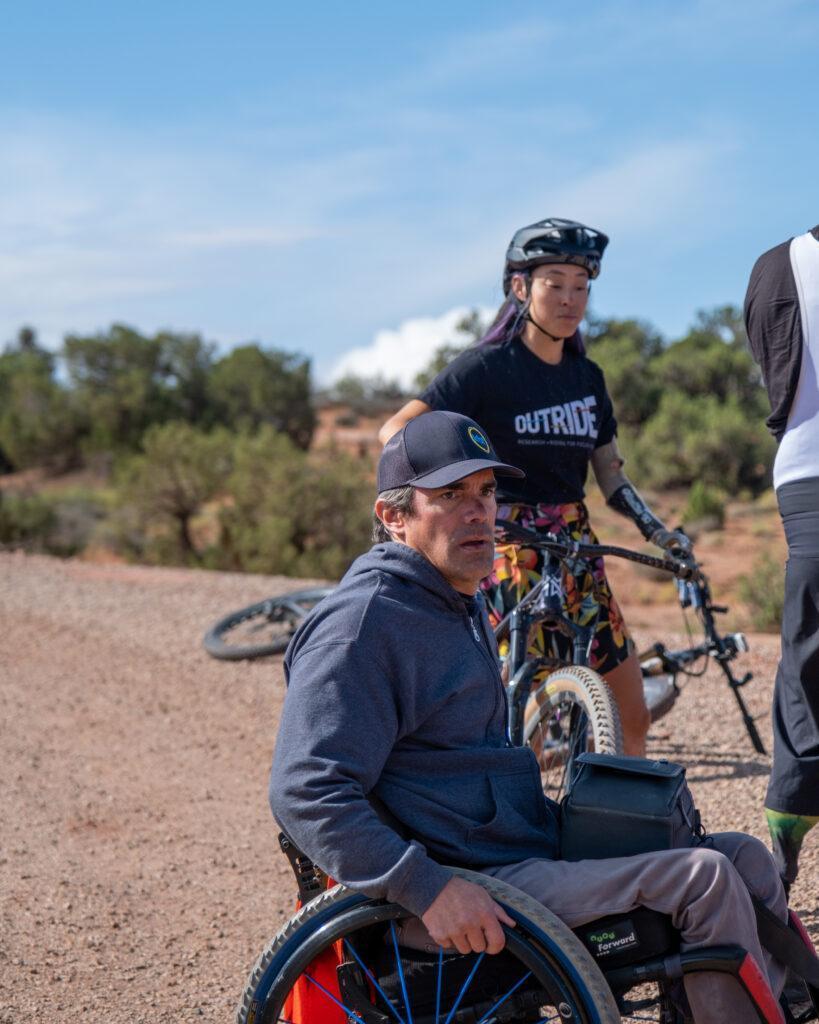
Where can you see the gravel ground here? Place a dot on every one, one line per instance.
(139, 873)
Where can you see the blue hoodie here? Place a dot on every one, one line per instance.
(394, 692)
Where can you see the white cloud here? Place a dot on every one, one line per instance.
(400, 353)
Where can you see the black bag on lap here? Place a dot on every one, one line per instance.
(619, 806)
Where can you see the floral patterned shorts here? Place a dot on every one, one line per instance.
(585, 587)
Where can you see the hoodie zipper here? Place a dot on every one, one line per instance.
(500, 689)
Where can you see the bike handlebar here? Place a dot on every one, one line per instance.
(575, 549)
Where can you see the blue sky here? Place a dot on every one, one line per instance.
(343, 178)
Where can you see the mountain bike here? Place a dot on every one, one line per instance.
(662, 667)
(561, 708)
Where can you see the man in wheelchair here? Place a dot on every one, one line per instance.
(392, 758)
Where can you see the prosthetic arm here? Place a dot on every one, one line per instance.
(620, 494)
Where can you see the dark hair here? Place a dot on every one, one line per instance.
(510, 318)
(402, 499)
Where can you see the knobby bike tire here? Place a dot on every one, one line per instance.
(571, 712)
(561, 954)
(275, 619)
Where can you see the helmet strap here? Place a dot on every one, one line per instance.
(552, 337)
(526, 305)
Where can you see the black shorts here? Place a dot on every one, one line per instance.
(794, 782)
(586, 594)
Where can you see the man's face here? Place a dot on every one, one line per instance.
(453, 527)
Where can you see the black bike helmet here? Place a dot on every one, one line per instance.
(554, 240)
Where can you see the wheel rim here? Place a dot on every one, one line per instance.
(272, 624)
(557, 737)
(533, 983)
(263, 628)
(573, 711)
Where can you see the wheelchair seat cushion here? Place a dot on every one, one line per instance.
(622, 939)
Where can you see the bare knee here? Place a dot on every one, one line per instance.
(626, 683)
(635, 729)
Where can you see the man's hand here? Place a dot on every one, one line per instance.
(465, 916)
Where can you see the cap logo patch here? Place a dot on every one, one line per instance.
(478, 439)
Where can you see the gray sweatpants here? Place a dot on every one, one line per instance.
(705, 890)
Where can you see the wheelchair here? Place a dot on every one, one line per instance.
(343, 959)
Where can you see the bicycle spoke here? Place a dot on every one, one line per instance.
(567, 760)
(351, 1014)
(502, 1000)
(465, 986)
(438, 984)
(374, 981)
(401, 977)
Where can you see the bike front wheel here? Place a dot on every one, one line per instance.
(572, 712)
(263, 628)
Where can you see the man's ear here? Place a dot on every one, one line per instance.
(391, 517)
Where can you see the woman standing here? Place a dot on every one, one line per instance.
(529, 383)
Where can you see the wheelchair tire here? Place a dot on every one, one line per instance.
(263, 628)
(571, 712)
(553, 957)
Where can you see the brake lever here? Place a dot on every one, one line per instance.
(520, 535)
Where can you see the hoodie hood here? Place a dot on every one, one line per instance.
(402, 562)
(395, 694)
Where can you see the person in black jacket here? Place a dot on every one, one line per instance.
(782, 321)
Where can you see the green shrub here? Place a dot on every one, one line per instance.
(25, 521)
(292, 513)
(704, 503)
(77, 517)
(160, 491)
(763, 591)
(703, 438)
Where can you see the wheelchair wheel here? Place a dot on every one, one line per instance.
(263, 628)
(544, 973)
(572, 712)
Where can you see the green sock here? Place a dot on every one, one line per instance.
(787, 832)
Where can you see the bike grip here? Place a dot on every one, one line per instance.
(520, 534)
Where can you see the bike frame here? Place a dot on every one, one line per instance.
(544, 604)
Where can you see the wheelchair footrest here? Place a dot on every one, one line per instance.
(724, 959)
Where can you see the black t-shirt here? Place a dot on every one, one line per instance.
(544, 419)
